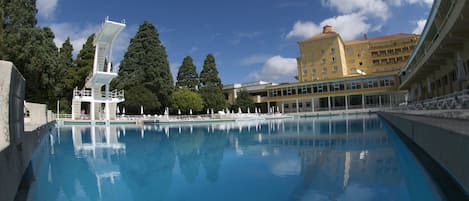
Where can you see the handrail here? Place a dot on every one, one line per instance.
(115, 94)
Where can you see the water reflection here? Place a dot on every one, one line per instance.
(333, 158)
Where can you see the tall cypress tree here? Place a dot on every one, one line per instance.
(209, 74)
(187, 75)
(211, 86)
(84, 62)
(146, 65)
(67, 74)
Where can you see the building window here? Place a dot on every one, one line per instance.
(350, 51)
(323, 61)
(319, 88)
(303, 89)
(354, 85)
(305, 72)
(293, 105)
(274, 93)
(335, 68)
(358, 55)
(324, 70)
(333, 59)
(300, 105)
(351, 61)
(322, 51)
(332, 50)
(312, 62)
(313, 71)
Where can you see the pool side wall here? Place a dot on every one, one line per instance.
(448, 147)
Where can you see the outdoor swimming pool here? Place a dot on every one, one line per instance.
(355, 157)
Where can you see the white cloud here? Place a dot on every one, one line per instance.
(46, 8)
(304, 29)
(377, 8)
(401, 2)
(349, 26)
(420, 25)
(276, 69)
(79, 34)
(255, 59)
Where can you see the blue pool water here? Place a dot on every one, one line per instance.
(325, 158)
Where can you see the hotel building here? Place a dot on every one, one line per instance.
(339, 75)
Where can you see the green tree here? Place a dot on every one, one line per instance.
(209, 74)
(67, 74)
(83, 64)
(137, 96)
(210, 85)
(40, 66)
(185, 100)
(2, 45)
(244, 101)
(187, 75)
(146, 64)
(19, 17)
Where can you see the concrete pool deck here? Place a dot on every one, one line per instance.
(442, 142)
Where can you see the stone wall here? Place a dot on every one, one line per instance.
(12, 88)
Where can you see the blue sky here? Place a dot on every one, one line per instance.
(251, 40)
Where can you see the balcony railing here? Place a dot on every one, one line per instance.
(115, 94)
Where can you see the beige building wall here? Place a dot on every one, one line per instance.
(326, 56)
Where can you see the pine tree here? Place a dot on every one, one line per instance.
(84, 63)
(146, 64)
(211, 86)
(187, 75)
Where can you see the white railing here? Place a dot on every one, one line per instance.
(115, 94)
(456, 100)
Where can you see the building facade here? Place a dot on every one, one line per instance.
(326, 56)
(337, 75)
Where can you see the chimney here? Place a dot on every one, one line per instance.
(365, 36)
(327, 29)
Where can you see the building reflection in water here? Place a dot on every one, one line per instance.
(335, 158)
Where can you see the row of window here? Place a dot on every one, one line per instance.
(333, 86)
(324, 70)
(390, 60)
(391, 51)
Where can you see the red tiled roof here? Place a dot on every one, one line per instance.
(379, 38)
